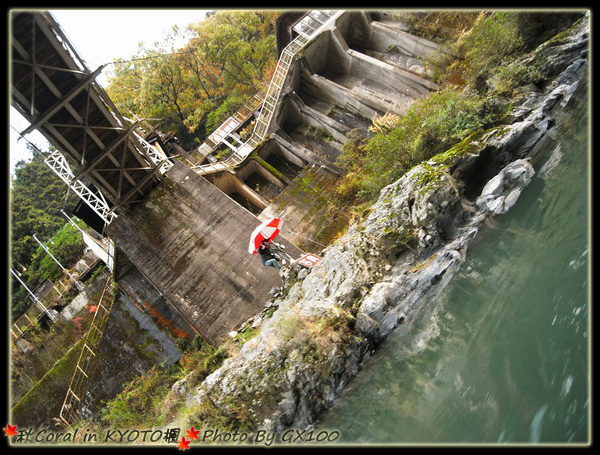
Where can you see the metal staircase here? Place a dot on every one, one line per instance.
(308, 28)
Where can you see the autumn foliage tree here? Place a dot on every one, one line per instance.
(228, 58)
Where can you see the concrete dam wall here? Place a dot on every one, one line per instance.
(190, 240)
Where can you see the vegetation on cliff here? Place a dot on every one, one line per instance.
(480, 68)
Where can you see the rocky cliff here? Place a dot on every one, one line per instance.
(331, 318)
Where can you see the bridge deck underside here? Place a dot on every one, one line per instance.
(53, 89)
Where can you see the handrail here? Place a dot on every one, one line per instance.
(273, 95)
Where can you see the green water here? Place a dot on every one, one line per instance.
(503, 355)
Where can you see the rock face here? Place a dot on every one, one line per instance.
(502, 191)
(331, 318)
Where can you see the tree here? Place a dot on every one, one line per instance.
(231, 54)
(37, 196)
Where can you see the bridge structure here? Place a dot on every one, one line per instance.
(105, 159)
(98, 153)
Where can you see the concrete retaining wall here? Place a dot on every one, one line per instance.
(191, 241)
(189, 237)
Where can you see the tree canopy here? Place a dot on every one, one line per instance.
(228, 58)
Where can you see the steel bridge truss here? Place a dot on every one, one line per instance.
(54, 90)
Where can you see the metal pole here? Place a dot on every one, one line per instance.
(79, 286)
(37, 301)
(70, 220)
(50, 254)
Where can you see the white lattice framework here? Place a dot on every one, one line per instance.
(59, 164)
(111, 156)
(155, 155)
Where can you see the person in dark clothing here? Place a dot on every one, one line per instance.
(268, 259)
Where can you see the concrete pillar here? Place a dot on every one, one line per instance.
(318, 119)
(338, 59)
(306, 115)
(252, 196)
(230, 182)
(254, 167)
(191, 241)
(287, 155)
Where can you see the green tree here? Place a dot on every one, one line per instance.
(37, 196)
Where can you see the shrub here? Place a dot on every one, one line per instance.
(384, 123)
(492, 46)
(431, 126)
(494, 38)
(139, 404)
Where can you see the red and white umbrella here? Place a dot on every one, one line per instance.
(265, 231)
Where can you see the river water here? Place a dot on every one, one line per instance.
(503, 356)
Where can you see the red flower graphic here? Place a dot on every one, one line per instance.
(183, 444)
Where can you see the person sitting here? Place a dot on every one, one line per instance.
(267, 256)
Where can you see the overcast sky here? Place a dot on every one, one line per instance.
(100, 36)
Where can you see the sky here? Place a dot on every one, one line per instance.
(100, 36)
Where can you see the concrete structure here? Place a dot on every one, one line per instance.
(190, 240)
(187, 239)
(361, 65)
(132, 344)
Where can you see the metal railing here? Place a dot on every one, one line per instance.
(96, 201)
(308, 29)
(59, 164)
(154, 155)
(70, 411)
